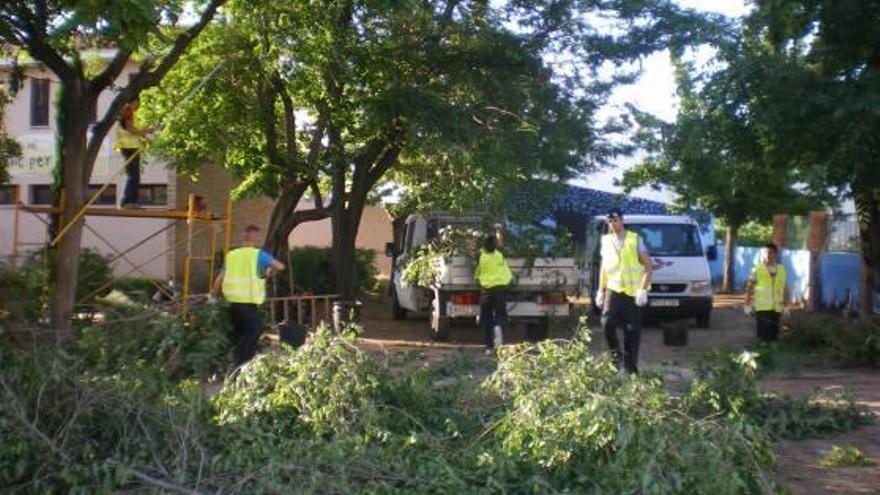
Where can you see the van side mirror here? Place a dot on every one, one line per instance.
(712, 252)
(390, 250)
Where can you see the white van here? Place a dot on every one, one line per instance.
(682, 285)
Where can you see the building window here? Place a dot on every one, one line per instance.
(41, 194)
(153, 194)
(7, 194)
(39, 102)
(107, 197)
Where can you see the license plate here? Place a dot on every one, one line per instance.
(458, 310)
(664, 303)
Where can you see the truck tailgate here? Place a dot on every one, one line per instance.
(551, 273)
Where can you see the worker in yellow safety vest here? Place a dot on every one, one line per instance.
(130, 141)
(243, 284)
(624, 281)
(767, 294)
(493, 275)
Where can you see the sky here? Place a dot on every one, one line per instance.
(654, 92)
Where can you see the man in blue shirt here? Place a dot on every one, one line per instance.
(243, 284)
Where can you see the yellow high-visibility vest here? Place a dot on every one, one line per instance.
(623, 271)
(126, 140)
(492, 270)
(769, 289)
(241, 282)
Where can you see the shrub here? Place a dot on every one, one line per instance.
(840, 341)
(25, 290)
(312, 270)
(19, 299)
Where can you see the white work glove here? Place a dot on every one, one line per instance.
(212, 299)
(747, 309)
(599, 300)
(641, 297)
(786, 312)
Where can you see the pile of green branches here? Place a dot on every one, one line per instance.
(329, 417)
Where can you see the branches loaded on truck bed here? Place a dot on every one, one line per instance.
(431, 275)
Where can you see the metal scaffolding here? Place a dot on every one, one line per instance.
(195, 215)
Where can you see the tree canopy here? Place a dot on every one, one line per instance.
(456, 98)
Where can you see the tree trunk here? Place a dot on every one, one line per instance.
(280, 225)
(344, 237)
(64, 267)
(868, 213)
(729, 251)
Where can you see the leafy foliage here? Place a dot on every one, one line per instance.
(312, 270)
(551, 417)
(24, 290)
(529, 241)
(727, 385)
(197, 346)
(834, 339)
(9, 147)
(847, 456)
(751, 234)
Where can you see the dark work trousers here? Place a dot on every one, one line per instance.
(246, 330)
(132, 176)
(621, 310)
(767, 323)
(493, 311)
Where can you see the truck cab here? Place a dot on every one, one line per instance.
(682, 285)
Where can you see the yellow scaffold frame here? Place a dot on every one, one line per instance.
(192, 215)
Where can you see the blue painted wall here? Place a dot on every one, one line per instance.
(839, 276)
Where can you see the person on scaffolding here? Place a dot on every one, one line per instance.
(130, 141)
(243, 284)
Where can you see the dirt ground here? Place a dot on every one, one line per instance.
(799, 470)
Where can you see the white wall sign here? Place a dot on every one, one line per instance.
(38, 156)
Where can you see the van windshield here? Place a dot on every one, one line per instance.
(669, 239)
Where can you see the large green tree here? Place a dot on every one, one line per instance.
(714, 156)
(348, 91)
(55, 32)
(817, 95)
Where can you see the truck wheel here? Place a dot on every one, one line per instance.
(397, 310)
(439, 321)
(539, 330)
(703, 319)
